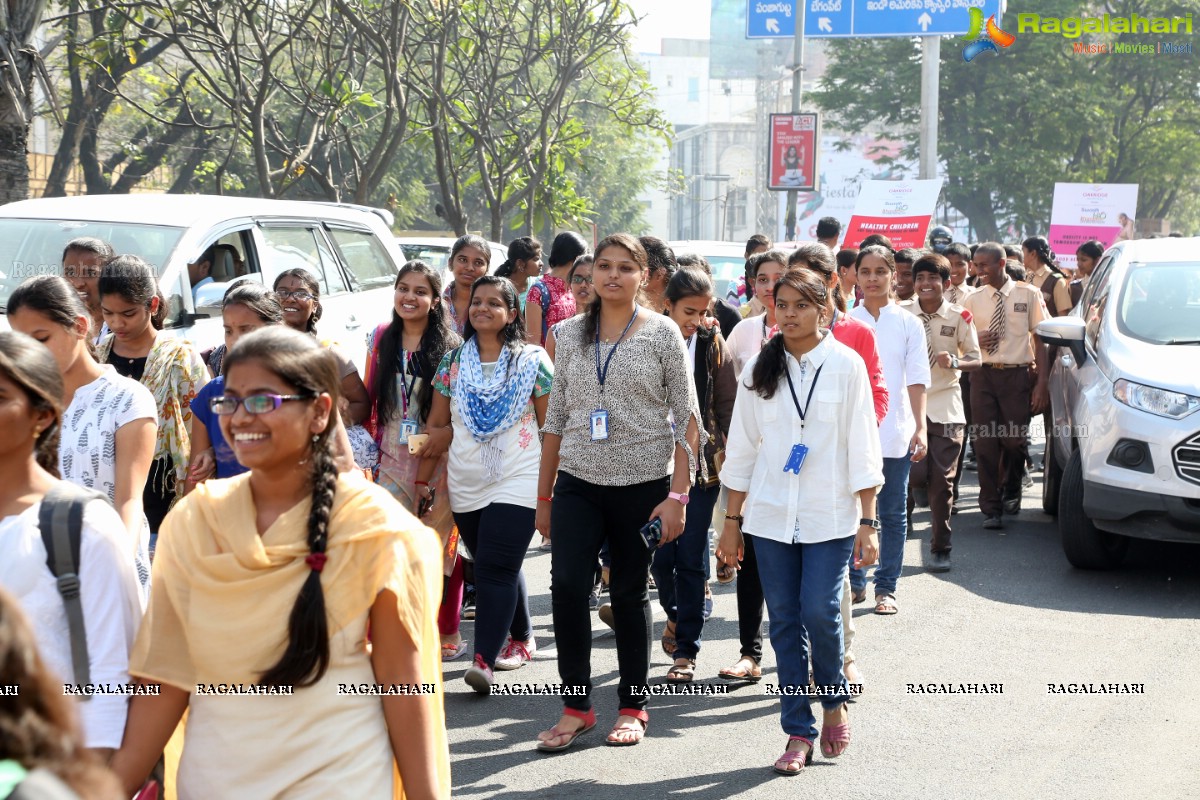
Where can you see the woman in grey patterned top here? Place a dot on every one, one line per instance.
(611, 462)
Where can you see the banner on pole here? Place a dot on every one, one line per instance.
(1085, 211)
(900, 210)
(793, 154)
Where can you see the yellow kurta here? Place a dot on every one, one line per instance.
(220, 601)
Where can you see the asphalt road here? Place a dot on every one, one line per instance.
(1012, 611)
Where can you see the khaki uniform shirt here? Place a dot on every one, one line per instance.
(952, 332)
(1061, 292)
(1023, 310)
(957, 294)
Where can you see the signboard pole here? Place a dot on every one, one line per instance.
(797, 87)
(931, 54)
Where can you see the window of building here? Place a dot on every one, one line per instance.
(693, 90)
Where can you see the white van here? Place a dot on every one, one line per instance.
(349, 249)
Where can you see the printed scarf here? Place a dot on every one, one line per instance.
(490, 407)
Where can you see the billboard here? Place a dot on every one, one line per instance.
(1084, 211)
(792, 157)
(900, 210)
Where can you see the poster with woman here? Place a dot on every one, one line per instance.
(793, 155)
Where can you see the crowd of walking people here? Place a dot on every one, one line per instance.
(262, 518)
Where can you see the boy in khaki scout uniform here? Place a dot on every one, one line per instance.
(953, 348)
(1003, 392)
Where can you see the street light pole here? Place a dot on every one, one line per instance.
(797, 87)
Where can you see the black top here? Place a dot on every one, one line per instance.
(727, 316)
(129, 367)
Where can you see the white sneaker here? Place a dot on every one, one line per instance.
(516, 654)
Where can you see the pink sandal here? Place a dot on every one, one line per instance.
(589, 722)
(784, 762)
(637, 714)
(832, 735)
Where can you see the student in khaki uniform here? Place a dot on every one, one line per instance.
(1042, 272)
(1003, 392)
(953, 348)
(959, 256)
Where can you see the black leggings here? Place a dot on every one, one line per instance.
(501, 603)
(582, 517)
(750, 602)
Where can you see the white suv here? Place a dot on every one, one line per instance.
(1124, 455)
(349, 249)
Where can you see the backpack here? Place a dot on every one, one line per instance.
(544, 293)
(60, 521)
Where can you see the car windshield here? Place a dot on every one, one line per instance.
(30, 247)
(1160, 303)
(727, 272)
(436, 256)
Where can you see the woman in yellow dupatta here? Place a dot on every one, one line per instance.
(270, 586)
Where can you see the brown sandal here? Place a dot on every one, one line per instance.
(683, 671)
(726, 574)
(737, 672)
(668, 639)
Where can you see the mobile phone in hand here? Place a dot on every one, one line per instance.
(652, 533)
(426, 503)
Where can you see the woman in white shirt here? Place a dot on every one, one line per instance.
(30, 410)
(804, 436)
(749, 335)
(109, 425)
(493, 391)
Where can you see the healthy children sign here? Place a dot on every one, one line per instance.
(1074, 27)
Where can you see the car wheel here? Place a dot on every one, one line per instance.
(1051, 481)
(1086, 546)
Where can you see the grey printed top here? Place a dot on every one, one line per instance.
(648, 383)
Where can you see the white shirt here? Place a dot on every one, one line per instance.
(87, 452)
(843, 458)
(901, 340)
(747, 338)
(112, 607)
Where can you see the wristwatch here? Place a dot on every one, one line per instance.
(870, 523)
(953, 362)
(682, 498)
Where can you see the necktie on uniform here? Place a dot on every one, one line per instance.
(953, 293)
(925, 318)
(997, 323)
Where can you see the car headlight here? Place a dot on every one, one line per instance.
(1161, 402)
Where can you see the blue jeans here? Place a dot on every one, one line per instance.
(803, 587)
(892, 507)
(678, 571)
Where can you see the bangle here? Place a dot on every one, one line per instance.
(735, 517)
(545, 499)
(420, 483)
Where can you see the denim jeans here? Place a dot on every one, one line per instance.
(892, 506)
(803, 587)
(499, 536)
(678, 571)
(583, 516)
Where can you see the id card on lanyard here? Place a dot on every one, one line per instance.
(600, 415)
(408, 426)
(799, 451)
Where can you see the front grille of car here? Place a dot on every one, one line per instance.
(1187, 459)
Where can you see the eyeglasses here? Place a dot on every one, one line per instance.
(580, 279)
(295, 296)
(254, 404)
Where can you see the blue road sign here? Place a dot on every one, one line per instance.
(831, 19)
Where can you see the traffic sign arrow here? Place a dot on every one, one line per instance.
(925, 21)
(824, 24)
(772, 25)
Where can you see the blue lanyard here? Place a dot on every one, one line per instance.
(602, 374)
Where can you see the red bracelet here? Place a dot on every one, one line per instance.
(420, 483)
(545, 499)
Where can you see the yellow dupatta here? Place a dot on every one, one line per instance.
(221, 595)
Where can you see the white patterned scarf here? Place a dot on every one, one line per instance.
(490, 407)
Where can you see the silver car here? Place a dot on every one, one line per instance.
(1124, 456)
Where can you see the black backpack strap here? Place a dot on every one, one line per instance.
(60, 521)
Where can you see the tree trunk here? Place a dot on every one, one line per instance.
(14, 157)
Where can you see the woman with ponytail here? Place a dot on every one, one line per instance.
(493, 391)
(549, 300)
(30, 415)
(524, 264)
(803, 444)
(1043, 273)
(108, 428)
(272, 590)
(170, 367)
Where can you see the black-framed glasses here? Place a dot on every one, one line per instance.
(254, 404)
(301, 295)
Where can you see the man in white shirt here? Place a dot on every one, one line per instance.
(902, 434)
(198, 270)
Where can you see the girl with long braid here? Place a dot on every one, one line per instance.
(274, 585)
(1043, 273)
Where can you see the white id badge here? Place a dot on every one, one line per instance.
(599, 425)
(408, 427)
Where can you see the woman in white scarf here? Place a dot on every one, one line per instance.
(493, 391)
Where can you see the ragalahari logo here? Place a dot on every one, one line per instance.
(983, 37)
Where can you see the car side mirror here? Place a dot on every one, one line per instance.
(1065, 332)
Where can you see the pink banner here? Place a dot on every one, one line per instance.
(1065, 239)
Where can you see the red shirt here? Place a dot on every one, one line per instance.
(859, 337)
